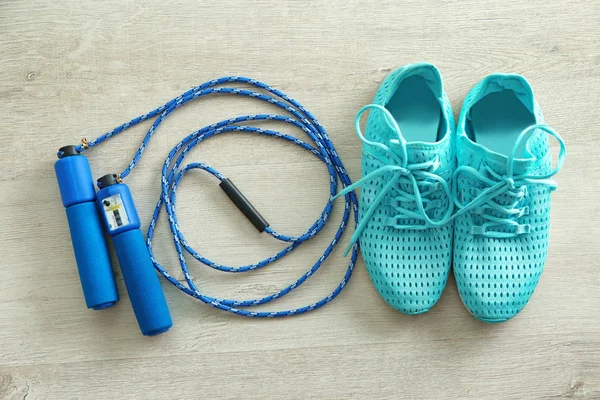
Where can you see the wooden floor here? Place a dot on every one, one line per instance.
(71, 69)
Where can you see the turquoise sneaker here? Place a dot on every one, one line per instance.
(407, 160)
(502, 192)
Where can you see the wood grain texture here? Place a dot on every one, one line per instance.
(74, 68)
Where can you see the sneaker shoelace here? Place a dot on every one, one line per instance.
(394, 156)
(421, 178)
(500, 215)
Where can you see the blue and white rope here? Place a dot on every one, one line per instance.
(173, 172)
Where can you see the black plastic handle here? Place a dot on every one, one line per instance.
(244, 204)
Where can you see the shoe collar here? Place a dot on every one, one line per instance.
(433, 78)
(490, 84)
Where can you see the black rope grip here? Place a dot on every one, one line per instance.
(244, 205)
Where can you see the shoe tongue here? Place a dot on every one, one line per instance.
(417, 152)
(422, 152)
(484, 160)
(479, 156)
(499, 166)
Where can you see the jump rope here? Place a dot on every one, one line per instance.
(112, 209)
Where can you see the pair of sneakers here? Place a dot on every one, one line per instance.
(475, 196)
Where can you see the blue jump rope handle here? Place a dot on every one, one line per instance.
(141, 280)
(142, 283)
(87, 233)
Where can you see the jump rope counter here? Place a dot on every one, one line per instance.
(112, 209)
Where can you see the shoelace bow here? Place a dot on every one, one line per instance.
(395, 158)
(509, 184)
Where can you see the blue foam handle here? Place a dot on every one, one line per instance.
(141, 280)
(91, 253)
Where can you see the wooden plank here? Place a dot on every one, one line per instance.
(75, 68)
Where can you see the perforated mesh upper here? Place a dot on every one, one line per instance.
(409, 268)
(496, 277)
